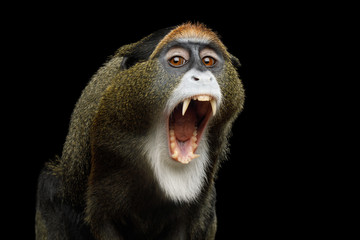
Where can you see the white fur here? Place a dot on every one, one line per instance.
(181, 182)
(206, 85)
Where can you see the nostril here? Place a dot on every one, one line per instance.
(195, 78)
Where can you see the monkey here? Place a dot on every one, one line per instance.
(145, 143)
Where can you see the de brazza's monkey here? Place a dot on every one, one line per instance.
(145, 143)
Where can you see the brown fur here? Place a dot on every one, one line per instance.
(189, 30)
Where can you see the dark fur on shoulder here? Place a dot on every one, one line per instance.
(55, 218)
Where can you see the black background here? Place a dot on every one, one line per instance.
(270, 186)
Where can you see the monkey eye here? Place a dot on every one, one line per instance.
(208, 61)
(177, 61)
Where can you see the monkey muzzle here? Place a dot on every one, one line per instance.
(187, 123)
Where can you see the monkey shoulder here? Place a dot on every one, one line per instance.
(57, 218)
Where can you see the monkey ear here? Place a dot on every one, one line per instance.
(132, 56)
(235, 61)
(127, 62)
(123, 65)
(141, 51)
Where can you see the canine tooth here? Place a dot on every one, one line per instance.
(203, 98)
(185, 105)
(195, 156)
(175, 154)
(213, 106)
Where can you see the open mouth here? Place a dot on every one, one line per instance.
(187, 123)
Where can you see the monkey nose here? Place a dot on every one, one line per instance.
(195, 78)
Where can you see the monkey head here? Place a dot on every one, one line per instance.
(169, 110)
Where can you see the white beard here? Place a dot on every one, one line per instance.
(179, 182)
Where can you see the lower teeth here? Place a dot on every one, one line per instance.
(175, 149)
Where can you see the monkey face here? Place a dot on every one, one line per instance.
(204, 93)
(196, 97)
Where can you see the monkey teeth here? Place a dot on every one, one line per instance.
(187, 123)
(185, 105)
(202, 98)
(178, 153)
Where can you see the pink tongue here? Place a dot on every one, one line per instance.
(184, 126)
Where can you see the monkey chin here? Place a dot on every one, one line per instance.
(187, 123)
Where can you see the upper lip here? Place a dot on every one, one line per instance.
(201, 98)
